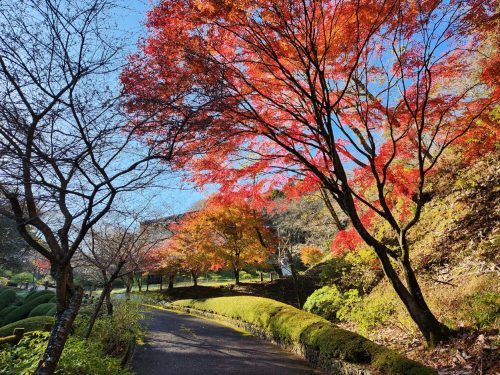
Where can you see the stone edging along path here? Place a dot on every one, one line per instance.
(310, 354)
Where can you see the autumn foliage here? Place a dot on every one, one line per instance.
(221, 235)
(360, 98)
(310, 255)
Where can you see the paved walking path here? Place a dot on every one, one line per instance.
(186, 345)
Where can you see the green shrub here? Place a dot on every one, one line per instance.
(355, 270)
(79, 357)
(35, 294)
(367, 313)
(3, 281)
(114, 332)
(52, 311)
(42, 309)
(484, 309)
(6, 273)
(325, 302)
(335, 270)
(23, 311)
(288, 325)
(7, 297)
(23, 277)
(29, 324)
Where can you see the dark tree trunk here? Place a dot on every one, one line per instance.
(171, 279)
(128, 280)
(139, 282)
(236, 276)
(195, 278)
(433, 331)
(295, 278)
(410, 294)
(278, 270)
(59, 334)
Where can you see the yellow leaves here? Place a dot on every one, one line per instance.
(311, 255)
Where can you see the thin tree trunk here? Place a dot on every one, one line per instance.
(109, 304)
(171, 279)
(139, 282)
(295, 278)
(128, 285)
(93, 318)
(331, 209)
(195, 278)
(236, 276)
(59, 335)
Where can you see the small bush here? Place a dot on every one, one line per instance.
(42, 309)
(7, 297)
(23, 277)
(3, 281)
(79, 357)
(367, 313)
(325, 302)
(355, 270)
(6, 273)
(23, 311)
(115, 332)
(29, 324)
(245, 275)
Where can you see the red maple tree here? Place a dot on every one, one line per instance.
(358, 97)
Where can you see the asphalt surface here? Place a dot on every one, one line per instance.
(186, 345)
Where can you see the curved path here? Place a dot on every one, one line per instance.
(186, 345)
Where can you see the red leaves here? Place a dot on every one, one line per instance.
(287, 95)
(345, 241)
(41, 264)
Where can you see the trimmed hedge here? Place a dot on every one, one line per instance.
(7, 310)
(52, 311)
(32, 295)
(317, 339)
(35, 323)
(23, 311)
(7, 297)
(42, 310)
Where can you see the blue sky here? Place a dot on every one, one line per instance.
(175, 196)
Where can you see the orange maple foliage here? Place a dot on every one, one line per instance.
(311, 255)
(192, 243)
(221, 235)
